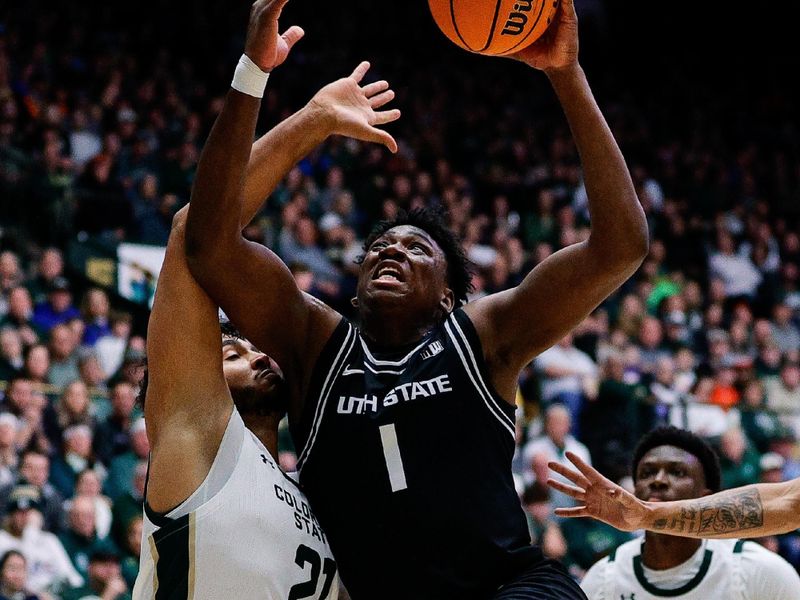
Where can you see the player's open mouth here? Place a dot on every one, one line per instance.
(387, 273)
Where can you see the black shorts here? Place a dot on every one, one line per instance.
(547, 580)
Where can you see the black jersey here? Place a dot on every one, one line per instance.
(406, 459)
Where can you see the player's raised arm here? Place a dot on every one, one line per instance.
(750, 511)
(559, 293)
(250, 283)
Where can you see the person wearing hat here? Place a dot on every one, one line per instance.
(49, 566)
(58, 307)
(104, 579)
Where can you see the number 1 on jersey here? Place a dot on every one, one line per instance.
(394, 462)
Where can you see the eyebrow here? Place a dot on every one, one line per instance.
(229, 342)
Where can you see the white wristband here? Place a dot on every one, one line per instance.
(249, 78)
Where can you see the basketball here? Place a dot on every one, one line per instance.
(493, 27)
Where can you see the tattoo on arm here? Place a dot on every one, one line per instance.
(735, 512)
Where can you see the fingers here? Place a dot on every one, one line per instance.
(576, 511)
(293, 35)
(360, 71)
(381, 137)
(569, 490)
(371, 89)
(381, 99)
(386, 116)
(584, 468)
(573, 476)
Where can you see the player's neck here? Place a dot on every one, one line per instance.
(265, 429)
(661, 551)
(390, 331)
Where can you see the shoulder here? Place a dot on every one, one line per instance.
(765, 574)
(592, 582)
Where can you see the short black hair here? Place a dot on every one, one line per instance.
(687, 441)
(229, 330)
(433, 222)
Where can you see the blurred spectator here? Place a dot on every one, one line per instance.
(80, 538)
(88, 485)
(37, 363)
(737, 272)
(104, 579)
(95, 310)
(110, 348)
(11, 358)
(122, 467)
(113, 434)
(130, 504)
(611, 423)
(14, 577)
(568, 376)
(760, 424)
(545, 531)
(20, 316)
(739, 462)
(783, 396)
(63, 356)
(49, 566)
(75, 457)
(784, 332)
(35, 470)
(57, 308)
(8, 449)
(552, 446)
(49, 268)
(132, 549)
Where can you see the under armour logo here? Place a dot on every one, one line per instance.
(267, 461)
(433, 349)
(631, 597)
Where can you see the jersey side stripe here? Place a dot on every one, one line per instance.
(493, 410)
(389, 363)
(478, 372)
(336, 366)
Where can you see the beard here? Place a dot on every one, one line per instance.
(255, 402)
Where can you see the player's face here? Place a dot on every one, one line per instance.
(404, 264)
(669, 473)
(255, 380)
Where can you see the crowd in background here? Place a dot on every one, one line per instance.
(101, 126)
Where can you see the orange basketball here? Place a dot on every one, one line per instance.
(493, 27)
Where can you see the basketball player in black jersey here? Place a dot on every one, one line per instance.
(405, 424)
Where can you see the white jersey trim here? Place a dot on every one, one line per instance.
(389, 363)
(471, 372)
(330, 378)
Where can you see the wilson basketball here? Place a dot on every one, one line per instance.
(493, 27)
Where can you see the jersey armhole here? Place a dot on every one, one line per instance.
(218, 475)
(474, 341)
(301, 431)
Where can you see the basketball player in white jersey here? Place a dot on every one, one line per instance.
(221, 518)
(672, 464)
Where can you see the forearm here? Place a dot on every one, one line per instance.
(216, 202)
(752, 511)
(619, 229)
(274, 154)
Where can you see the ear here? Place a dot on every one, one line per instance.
(447, 302)
(354, 301)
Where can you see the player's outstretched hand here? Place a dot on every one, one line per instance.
(265, 46)
(597, 496)
(353, 108)
(558, 46)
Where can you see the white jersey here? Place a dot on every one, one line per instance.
(719, 570)
(246, 532)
